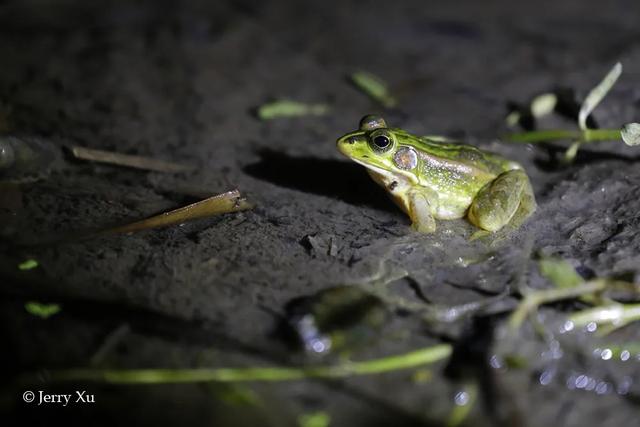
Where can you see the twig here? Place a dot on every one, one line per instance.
(138, 162)
(231, 201)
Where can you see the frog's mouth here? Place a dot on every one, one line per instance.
(376, 169)
(386, 174)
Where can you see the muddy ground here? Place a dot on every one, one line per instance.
(181, 82)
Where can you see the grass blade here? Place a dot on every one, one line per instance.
(375, 87)
(408, 360)
(597, 94)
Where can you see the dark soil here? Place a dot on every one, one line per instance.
(180, 82)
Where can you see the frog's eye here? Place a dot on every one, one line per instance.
(372, 122)
(380, 141)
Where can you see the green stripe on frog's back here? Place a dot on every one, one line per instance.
(468, 154)
(456, 172)
(452, 151)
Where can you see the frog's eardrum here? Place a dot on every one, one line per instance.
(406, 158)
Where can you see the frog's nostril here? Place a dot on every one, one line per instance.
(351, 140)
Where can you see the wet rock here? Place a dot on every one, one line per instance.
(27, 159)
(336, 319)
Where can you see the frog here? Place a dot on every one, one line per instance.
(435, 178)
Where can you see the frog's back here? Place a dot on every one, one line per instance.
(469, 155)
(456, 172)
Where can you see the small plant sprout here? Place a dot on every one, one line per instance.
(544, 104)
(569, 285)
(559, 272)
(562, 274)
(44, 311)
(540, 106)
(374, 87)
(287, 108)
(630, 133)
(314, 419)
(597, 94)
(29, 264)
(592, 100)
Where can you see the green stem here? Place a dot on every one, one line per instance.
(535, 299)
(589, 135)
(616, 315)
(157, 376)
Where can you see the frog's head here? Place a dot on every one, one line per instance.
(380, 149)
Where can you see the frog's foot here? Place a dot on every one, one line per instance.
(420, 213)
(508, 199)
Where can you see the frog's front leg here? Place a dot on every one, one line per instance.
(421, 203)
(507, 199)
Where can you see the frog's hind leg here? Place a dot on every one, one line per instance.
(527, 205)
(508, 199)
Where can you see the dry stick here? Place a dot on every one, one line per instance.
(138, 162)
(231, 201)
(162, 376)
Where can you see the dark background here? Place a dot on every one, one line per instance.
(180, 81)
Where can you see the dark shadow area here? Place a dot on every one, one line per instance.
(470, 363)
(108, 315)
(342, 180)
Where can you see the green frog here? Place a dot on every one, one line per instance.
(432, 178)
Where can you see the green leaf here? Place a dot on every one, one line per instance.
(288, 108)
(597, 94)
(631, 134)
(28, 265)
(513, 118)
(373, 86)
(42, 310)
(572, 151)
(236, 395)
(559, 272)
(543, 104)
(314, 419)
